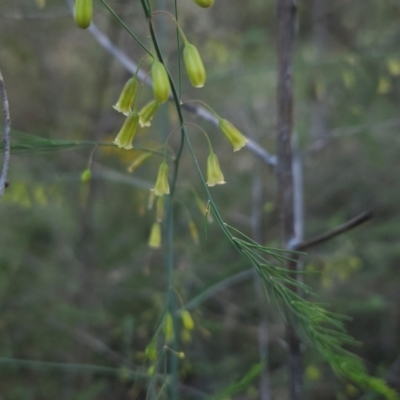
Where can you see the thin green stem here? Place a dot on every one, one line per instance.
(126, 27)
(175, 22)
(178, 45)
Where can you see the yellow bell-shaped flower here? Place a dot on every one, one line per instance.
(127, 96)
(187, 320)
(155, 236)
(83, 13)
(162, 186)
(234, 136)
(161, 85)
(214, 173)
(127, 133)
(147, 113)
(194, 66)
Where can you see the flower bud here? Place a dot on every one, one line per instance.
(155, 236)
(138, 161)
(162, 185)
(204, 3)
(214, 173)
(127, 96)
(151, 351)
(147, 113)
(161, 85)
(127, 133)
(187, 320)
(234, 136)
(83, 13)
(86, 176)
(194, 66)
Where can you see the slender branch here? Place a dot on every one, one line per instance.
(360, 219)
(200, 111)
(6, 140)
(286, 14)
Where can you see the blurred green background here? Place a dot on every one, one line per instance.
(81, 292)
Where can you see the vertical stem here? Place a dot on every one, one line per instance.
(6, 139)
(286, 13)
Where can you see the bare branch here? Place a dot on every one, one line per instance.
(360, 219)
(198, 110)
(7, 127)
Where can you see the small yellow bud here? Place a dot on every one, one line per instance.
(162, 185)
(169, 328)
(160, 208)
(138, 161)
(234, 136)
(147, 113)
(86, 175)
(127, 133)
(155, 236)
(181, 355)
(187, 320)
(194, 232)
(214, 173)
(161, 85)
(204, 3)
(194, 66)
(151, 351)
(127, 96)
(151, 371)
(83, 13)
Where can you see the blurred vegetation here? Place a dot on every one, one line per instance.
(81, 291)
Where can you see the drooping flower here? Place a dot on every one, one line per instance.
(233, 135)
(83, 13)
(204, 3)
(147, 113)
(161, 85)
(187, 320)
(127, 96)
(194, 66)
(155, 236)
(127, 133)
(162, 186)
(214, 173)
